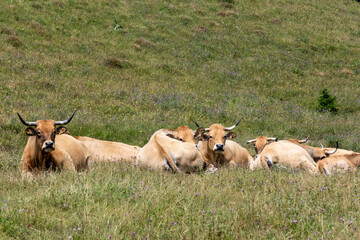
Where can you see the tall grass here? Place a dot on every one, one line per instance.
(132, 67)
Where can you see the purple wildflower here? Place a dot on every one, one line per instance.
(295, 221)
(324, 210)
(133, 234)
(196, 194)
(175, 223)
(203, 212)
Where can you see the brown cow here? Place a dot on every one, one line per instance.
(339, 163)
(166, 153)
(40, 152)
(316, 153)
(213, 149)
(285, 153)
(100, 150)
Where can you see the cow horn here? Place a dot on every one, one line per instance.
(322, 147)
(272, 139)
(333, 151)
(304, 140)
(251, 141)
(231, 128)
(25, 122)
(65, 121)
(197, 125)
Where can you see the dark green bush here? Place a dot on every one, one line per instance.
(326, 102)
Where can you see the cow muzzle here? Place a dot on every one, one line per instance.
(48, 146)
(219, 147)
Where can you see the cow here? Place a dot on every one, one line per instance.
(344, 161)
(165, 151)
(316, 153)
(105, 151)
(218, 150)
(183, 133)
(43, 152)
(285, 153)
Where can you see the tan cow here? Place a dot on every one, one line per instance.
(284, 153)
(316, 153)
(106, 151)
(42, 153)
(165, 152)
(339, 163)
(217, 150)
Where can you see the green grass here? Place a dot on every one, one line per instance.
(132, 67)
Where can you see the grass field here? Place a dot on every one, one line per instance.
(132, 67)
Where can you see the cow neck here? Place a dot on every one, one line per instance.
(41, 157)
(214, 158)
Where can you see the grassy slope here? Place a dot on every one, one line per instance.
(132, 67)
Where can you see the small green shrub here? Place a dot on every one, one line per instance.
(326, 102)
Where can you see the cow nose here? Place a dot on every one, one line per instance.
(49, 144)
(219, 147)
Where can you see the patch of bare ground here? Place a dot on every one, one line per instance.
(144, 42)
(227, 13)
(116, 63)
(14, 41)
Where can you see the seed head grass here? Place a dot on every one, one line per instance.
(133, 67)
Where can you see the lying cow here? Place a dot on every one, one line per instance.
(217, 150)
(282, 153)
(166, 151)
(105, 151)
(339, 163)
(316, 153)
(42, 153)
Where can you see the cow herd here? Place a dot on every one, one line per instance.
(51, 147)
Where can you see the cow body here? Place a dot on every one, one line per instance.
(339, 163)
(105, 151)
(48, 148)
(217, 150)
(166, 153)
(285, 153)
(233, 155)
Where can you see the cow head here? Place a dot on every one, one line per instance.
(184, 134)
(215, 136)
(45, 131)
(260, 142)
(325, 152)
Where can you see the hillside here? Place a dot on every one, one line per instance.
(132, 67)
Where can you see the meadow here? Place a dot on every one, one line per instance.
(132, 67)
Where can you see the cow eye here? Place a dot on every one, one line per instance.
(225, 137)
(181, 139)
(211, 136)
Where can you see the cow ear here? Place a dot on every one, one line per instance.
(60, 130)
(30, 131)
(198, 133)
(230, 135)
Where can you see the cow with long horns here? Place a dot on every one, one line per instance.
(316, 153)
(218, 150)
(339, 163)
(284, 153)
(43, 152)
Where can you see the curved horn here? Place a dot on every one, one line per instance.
(272, 139)
(65, 121)
(333, 151)
(304, 140)
(251, 141)
(25, 122)
(231, 128)
(197, 125)
(322, 147)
